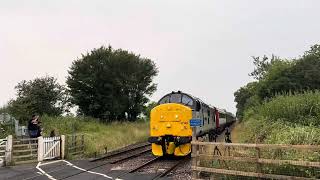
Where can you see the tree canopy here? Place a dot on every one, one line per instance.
(39, 96)
(277, 76)
(111, 84)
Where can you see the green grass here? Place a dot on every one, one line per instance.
(98, 136)
(299, 109)
(286, 119)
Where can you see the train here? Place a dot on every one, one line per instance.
(170, 129)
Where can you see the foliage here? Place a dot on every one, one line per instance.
(4, 109)
(286, 119)
(262, 66)
(280, 76)
(39, 96)
(5, 130)
(98, 136)
(111, 84)
(301, 108)
(245, 98)
(147, 109)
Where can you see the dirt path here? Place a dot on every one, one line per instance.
(235, 133)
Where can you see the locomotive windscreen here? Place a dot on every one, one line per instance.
(177, 98)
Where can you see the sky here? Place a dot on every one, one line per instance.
(202, 47)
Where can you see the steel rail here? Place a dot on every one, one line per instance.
(120, 152)
(130, 156)
(139, 167)
(167, 171)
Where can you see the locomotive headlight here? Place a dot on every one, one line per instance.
(177, 116)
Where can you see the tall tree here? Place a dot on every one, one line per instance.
(111, 84)
(39, 96)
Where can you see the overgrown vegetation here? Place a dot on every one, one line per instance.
(98, 136)
(286, 119)
(283, 105)
(279, 76)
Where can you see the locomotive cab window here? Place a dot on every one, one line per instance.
(164, 100)
(178, 98)
(175, 98)
(186, 100)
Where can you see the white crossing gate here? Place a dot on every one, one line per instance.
(51, 148)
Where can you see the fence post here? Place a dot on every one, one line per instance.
(258, 156)
(8, 152)
(194, 154)
(62, 146)
(40, 148)
(82, 142)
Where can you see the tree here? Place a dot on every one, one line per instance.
(111, 84)
(39, 96)
(280, 76)
(243, 96)
(147, 109)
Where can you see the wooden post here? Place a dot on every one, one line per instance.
(258, 155)
(40, 148)
(75, 143)
(8, 152)
(194, 154)
(82, 142)
(62, 146)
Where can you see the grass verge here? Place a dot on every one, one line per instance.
(98, 136)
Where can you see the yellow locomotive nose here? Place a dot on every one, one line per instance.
(168, 123)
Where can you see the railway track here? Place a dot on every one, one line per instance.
(169, 165)
(122, 152)
(137, 159)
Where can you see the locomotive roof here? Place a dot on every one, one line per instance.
(193, 97)
(198, 99)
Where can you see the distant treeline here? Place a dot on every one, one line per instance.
(107, 84)
(275, 76)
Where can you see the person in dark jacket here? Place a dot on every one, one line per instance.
(228, 135)
(34, 127)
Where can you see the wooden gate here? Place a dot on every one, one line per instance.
(3, 143)
(51, 148)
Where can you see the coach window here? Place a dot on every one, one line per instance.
(222, 115)
(203, 118)
(198, 105)
(208, 116)
(175, 98)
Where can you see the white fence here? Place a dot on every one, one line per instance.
(17, 151)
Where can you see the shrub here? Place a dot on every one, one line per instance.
(295, 108)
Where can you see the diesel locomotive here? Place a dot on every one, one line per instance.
(170, 130)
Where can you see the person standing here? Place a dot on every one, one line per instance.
(33, 127)
(228, 135)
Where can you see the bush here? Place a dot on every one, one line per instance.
(286, 119)
(295, 108)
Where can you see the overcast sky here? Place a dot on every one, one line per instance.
(201, 47)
